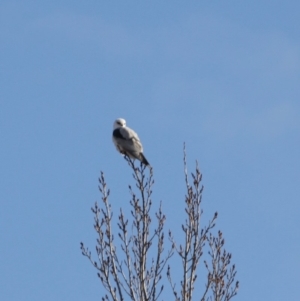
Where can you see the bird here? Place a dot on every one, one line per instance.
(127, 141)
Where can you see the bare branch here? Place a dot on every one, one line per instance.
(192, 250)
(135, 270)
(128, 271)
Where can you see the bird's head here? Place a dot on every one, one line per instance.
(120, 122)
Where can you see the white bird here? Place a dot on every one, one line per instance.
(127, 141)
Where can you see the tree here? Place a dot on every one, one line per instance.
(137, 268)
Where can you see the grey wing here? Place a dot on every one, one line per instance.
(128, 141)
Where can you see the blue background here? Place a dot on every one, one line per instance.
(222, 76)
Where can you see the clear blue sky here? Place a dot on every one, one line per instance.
(222, 76)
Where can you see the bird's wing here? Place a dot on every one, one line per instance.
(127, 140)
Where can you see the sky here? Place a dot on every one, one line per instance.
(221, 76)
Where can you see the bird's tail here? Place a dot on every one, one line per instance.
(143, 159)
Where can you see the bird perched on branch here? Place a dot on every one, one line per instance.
(127, 141)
